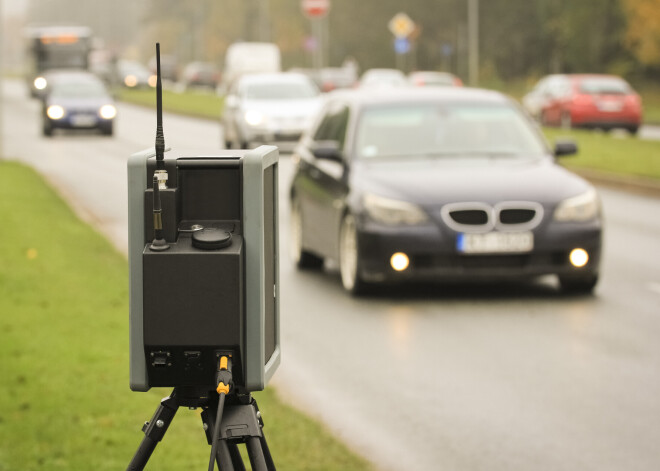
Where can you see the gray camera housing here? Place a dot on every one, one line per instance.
(188, 305)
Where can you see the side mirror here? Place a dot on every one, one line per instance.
(231, 101)
(565, 147)
(328, 150)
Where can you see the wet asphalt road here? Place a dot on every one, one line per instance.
(465, 377)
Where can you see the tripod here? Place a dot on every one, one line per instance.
(241, 423)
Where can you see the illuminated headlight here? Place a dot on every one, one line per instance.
(108, 112)
(254, 118)
(130, 80)
(40, 83)
(399, 261)
(55, 112)
(152, 80)
(579, 208)
(578, 257)
(393, 212)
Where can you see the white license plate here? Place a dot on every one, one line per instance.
(495, 242)
(83, 120)
(610, 106)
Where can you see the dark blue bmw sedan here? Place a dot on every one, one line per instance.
(439, 184)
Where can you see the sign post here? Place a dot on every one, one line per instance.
(402, 27)
(317, 11)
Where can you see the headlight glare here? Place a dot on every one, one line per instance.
(55, 112)
(583, 207)
(40, 83)
(130, 80)
(254, 118)
(393, 212)
(108, 112)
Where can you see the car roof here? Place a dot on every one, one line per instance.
(362, 97)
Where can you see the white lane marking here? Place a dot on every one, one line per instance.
(654, 287)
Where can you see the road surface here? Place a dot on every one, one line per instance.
(454, 377)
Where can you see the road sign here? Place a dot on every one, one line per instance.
(401, 45)
(315, 8)
(401, 25)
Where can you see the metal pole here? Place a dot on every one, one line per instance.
(473, 42)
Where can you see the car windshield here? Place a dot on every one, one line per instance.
(451, 130)
(604, 86)
(280, 91)
(78, 89)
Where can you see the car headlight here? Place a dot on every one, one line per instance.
(393, 212)
(55, 112)
(579, 208)
(108, 112)
(130, 80)
(153, 80)
(40, 83)
(254, 118)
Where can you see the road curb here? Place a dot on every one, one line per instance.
(631, 183)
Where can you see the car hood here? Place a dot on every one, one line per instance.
(284, 108)
(434, 182)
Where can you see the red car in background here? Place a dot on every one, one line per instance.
(589, 101)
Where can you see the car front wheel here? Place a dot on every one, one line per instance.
(349, 257)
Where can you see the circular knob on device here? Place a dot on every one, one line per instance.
(211, 238)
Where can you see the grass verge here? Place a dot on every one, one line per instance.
(64, 397)
(611, 153)
(192, 103)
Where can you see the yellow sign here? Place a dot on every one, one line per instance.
(401, 25)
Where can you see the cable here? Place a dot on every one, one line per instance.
(224, 380)
(216, 431)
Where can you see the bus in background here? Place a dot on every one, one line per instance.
(55, 47)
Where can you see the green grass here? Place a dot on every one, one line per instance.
(192, 103)
(615, 154)
(65, 403)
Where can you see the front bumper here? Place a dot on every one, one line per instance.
(433, 254)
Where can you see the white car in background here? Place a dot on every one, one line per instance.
(269, 109)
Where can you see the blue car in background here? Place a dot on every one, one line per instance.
(78, 101)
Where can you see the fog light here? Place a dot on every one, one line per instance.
(579, 257)
(399, 261)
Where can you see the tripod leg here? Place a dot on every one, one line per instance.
(236, 457)
(256, 454)
(154, 431)
(223, 457)
(269, 459)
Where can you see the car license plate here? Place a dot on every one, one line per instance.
(495, 242)
(83, 120)
(610, 106)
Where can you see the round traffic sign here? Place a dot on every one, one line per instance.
(315, 8)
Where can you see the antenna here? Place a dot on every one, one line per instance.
(160, 138)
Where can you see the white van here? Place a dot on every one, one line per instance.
(250, 57)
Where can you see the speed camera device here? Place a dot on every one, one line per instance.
(203, 260)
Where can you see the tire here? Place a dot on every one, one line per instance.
(633, 130)
(300, 257)
(107, 130)
(349, 257)
(578, 285)
(47, 128)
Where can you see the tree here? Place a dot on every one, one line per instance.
(642, 34)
